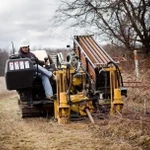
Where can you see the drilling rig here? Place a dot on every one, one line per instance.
(93, 81)
(87, 81)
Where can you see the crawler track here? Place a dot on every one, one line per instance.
(36, 110)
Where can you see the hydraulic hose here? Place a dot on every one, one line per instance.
(118, 72)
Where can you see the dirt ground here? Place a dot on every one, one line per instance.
(129, 131)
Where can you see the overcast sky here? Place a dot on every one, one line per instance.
(31, 19)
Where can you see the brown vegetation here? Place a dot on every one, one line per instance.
(3, 58)
(129, 131)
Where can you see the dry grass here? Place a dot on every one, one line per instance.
(127, 132)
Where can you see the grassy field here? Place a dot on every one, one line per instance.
(127, 132)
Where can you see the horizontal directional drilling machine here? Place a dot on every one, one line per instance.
(88, 82)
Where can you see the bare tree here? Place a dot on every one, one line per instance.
(124, 21)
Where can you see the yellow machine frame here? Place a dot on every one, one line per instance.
(66, 102)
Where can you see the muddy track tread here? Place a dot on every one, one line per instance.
(29, 112)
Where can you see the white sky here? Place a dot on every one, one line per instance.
(31, 19)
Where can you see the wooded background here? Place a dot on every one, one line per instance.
(3, 58)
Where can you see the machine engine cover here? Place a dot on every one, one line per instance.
(19, 73)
